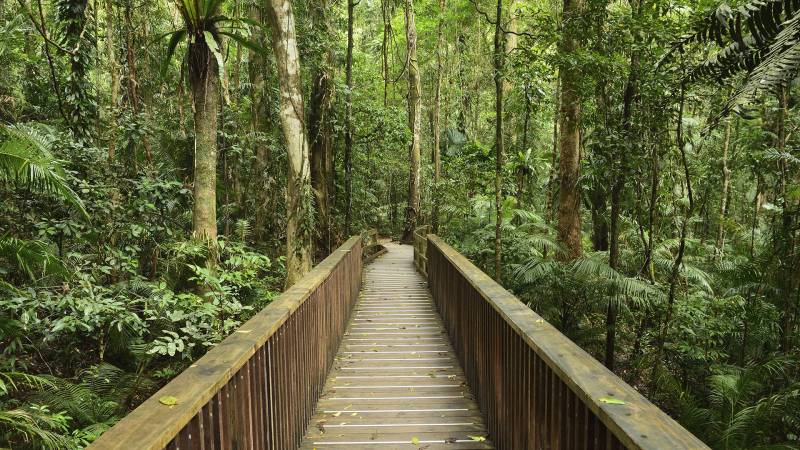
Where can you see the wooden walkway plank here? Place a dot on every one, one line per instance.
(396, 382)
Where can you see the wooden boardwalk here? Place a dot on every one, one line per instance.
(396, 383)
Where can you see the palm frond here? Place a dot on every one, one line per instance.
(26, 160)
(534, 270)
(31, 256)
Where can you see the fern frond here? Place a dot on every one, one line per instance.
(11, 381)
(35, 426)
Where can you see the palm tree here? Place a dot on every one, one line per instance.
(205, 25)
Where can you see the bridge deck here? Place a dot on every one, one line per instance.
(396, 382)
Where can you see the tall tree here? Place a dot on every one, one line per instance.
(437, 105)
(726, 183)
(320, 126)
(203, 61)
(569, 216)
(299, 212)
(617, 189)
(113, 71)
(387, 32)
(261, 122)
(414, 123)
(133, 96)
(499, 63)
(348, 121)
(75, 21)
(510, 36)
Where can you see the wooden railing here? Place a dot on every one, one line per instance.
(257, 389)
(420, 249)
(536, 388)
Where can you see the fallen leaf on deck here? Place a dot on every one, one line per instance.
(611, 401)
(168, 400)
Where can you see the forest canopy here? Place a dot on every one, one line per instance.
(629, 169)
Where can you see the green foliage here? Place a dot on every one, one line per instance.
(96, 314)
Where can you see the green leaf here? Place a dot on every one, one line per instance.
(246, 43)
(214, 48)
(168, 400)
(175, 38)
(611, 401)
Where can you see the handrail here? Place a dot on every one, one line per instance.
(536, 388)
(258, 387)
(421, 249)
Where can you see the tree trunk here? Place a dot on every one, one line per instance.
(499, 88)
(551, 179)
(204, 83)
(569, 216)
(466, 101)
(437, 157)
(73, 17)
(113, 70)
(414, 123)
(676, 266)
(261, 123)
(320, 128)
(133, 84)
(526, 118)
(598, 206)
(617, 188)
(299, 217)
(387, 30)
(784, 242)
(348, 122)
(510, 45)
(726, 183)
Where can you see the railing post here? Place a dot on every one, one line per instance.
(420, 241)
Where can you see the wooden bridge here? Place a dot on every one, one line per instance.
(418, 349)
